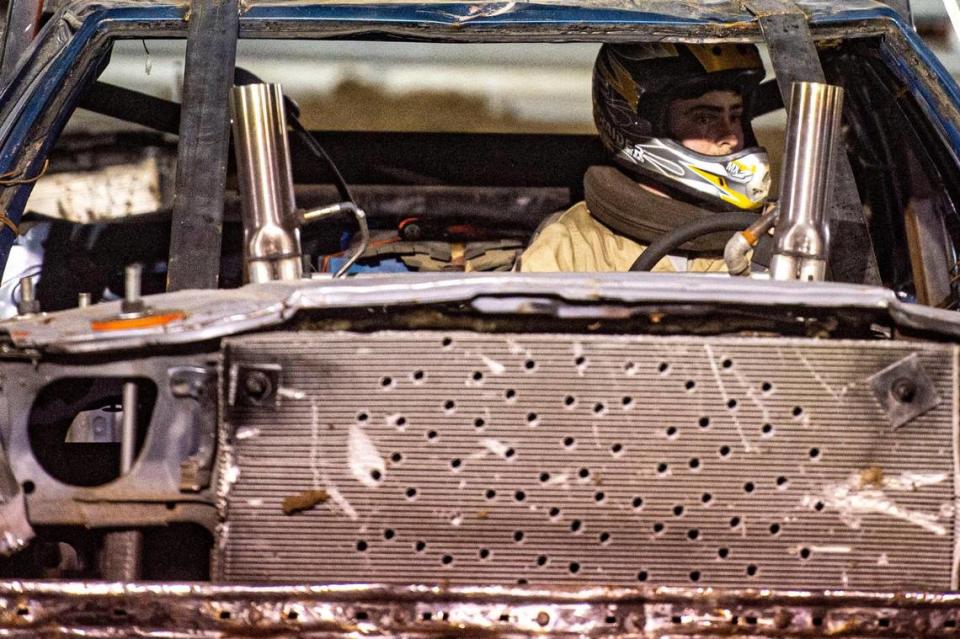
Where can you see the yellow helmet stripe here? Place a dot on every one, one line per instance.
(727, 194)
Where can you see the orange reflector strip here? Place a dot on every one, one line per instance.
(147, 321)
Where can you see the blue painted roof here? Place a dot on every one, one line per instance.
(678, 11)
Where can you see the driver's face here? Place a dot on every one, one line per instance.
(710, 124)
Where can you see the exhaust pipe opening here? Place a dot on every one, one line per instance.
(813, 130)
(271, 223)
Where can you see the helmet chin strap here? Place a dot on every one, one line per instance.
(643, 212)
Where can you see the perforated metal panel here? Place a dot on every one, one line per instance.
(571, 459)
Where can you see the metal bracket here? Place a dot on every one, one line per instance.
(254, 384)
(15, 528)
(794, 57)
(904, 390)
(195, 385)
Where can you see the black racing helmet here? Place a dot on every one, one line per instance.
(633, 86)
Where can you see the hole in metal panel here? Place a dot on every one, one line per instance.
(643, 575)
(723, 553)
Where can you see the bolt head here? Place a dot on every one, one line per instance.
(256, 384)
(904, 390)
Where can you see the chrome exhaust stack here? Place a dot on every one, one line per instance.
(271, 222)
(813, 130)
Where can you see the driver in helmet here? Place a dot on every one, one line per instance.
(676, 118)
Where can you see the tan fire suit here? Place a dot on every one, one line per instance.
(578, 242)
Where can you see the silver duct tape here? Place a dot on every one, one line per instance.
(461, 458)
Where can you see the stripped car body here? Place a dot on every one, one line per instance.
(710, 456)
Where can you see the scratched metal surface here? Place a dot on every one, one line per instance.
(86, 609)
(465, 458)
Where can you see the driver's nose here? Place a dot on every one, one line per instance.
(730, 134)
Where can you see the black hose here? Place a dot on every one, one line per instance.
(670, 241)
(242, 76)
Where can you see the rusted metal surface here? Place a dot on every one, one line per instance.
(554, 459)
(214, 314)
(204, 611)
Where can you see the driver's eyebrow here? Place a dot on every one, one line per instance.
(709, 108)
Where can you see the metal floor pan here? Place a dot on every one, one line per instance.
(551, 459)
